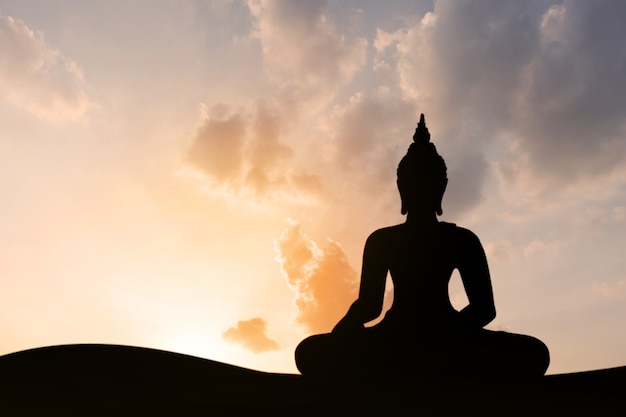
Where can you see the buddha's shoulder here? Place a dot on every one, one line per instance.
(384, 236)
(450, 229)
(458, 233)
(387, 231)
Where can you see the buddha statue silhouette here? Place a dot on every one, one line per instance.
(422, 333)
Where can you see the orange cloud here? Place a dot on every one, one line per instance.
(243, 152)
(251, 335)
(217, 148)
(324, 282)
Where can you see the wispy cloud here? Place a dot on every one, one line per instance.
(38, 77)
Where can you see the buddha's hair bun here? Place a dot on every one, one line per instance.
(422, 163)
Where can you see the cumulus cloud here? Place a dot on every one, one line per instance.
(570, 103)
(324, 282)
(544, 80)
(303, 51)
(530, 90)
(38, 77)
(242, 151)
(355, 146)
(251, 335)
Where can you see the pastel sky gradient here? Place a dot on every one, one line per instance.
(201, 176)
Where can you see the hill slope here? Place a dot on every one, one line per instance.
(94, 380)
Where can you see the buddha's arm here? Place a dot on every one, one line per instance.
(477, 283)
(372, 289)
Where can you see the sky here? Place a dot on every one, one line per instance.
(201, 176)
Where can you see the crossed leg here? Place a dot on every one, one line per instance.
(480, 354)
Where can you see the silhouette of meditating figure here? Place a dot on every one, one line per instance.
(422, 333)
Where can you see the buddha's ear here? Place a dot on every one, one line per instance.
(403, 209)
(443, 190)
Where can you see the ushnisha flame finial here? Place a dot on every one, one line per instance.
(421, 133)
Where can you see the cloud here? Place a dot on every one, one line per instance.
(466, 176)
(303, 52)
(368, 137)
(504, 87)
(610, 290)
(618, 214)
(501, 252)
(371, 135)
(242, 151)
(597, 216)
(570, 106)
(217, 147)
(219, 7)
(324, 282)
(352, 149)
(545, 81)
(539, 248)
(38, 77)
(369, 129)
(251, 335)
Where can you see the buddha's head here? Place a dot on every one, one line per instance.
(422, 178)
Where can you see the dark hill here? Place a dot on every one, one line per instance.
(110, 380)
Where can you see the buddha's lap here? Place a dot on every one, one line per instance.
(482, 350)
